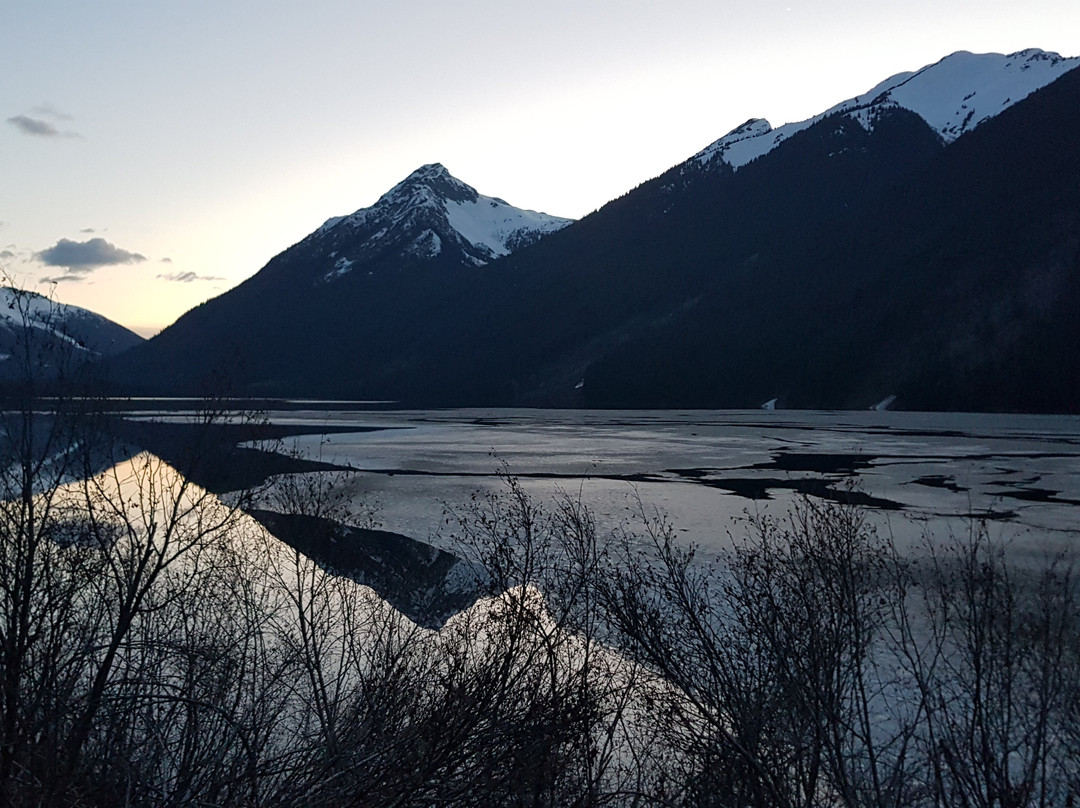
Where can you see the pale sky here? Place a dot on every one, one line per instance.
(153, 155)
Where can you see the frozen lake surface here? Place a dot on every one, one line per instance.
(706, 469)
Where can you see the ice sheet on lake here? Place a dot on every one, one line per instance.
(706, 470)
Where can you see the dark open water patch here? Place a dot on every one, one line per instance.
(759, 488)
(819, 463)
(693, 474)
(1027, 482)
(947, 482)
(1049, 495)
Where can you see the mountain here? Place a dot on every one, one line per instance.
(328, 315)
(918, 241)
(899, 259)
(58, 328)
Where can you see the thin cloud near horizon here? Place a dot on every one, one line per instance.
(187, 277)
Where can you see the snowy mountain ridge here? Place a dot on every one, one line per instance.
(89, 335)
(425, 213)
(953, 96)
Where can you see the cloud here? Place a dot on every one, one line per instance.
(33, 126)
(42, 123)
(7, 254)
(86, 256)
(166, 260)
(188, 277)
(61, 278)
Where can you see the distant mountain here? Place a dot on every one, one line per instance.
(918, 241)
(62, 329)
(323, 316)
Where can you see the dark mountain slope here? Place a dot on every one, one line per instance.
(956, 290)
(661, 250)
(678, 241)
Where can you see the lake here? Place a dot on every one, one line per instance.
(706, 469)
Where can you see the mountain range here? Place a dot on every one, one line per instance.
(919, 243)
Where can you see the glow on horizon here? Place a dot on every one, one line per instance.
(206, 137)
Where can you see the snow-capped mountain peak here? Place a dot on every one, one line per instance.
(427, 213)
(427, 186)
(953, 96)
(430, 183)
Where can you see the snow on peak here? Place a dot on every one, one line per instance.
(953, 96)
(751, 130)
(492, 224)
(428, 209)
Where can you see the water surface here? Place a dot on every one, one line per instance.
(707, 469)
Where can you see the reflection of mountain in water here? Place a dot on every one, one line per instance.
(425, 583)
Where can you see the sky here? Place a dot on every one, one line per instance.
(154, 155)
